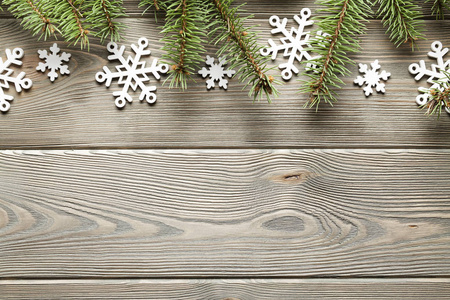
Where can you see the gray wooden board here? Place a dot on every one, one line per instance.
(77, 112)
(161, 224)
(224, 213)
(228, 289)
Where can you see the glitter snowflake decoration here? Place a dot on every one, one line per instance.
(436, 75)
(132, 73)
(12, 58)
(294, 43)
(372, 78)
(216, 72)
(54, 62)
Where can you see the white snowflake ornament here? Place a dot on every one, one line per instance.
(54, 62)
(216, 72)
(372, 78)
(294, 43)
(12, 58)
(435, 74)
(131, 73)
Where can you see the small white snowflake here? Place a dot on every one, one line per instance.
(12, 58)
(372, 78)
(294, 43)
(435, 75)
(216, 72)
(132, 73)
(53, 62)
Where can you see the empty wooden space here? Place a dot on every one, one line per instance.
(209, 195)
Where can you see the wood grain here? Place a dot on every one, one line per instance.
(228, 289)
(224, 213)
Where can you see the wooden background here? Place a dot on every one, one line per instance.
(207, 195)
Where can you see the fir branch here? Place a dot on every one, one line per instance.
(340, 28)
(157, 4)
(103, 15)
(70, 20)
(402, 19)
(438, 8)
(244, 53)
(184, 29)
(34, 15)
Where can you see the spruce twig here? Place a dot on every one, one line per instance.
(341, 26)
(439, 7)
(34, 15)
(240, 43)
(402, 19)
(103, 15)
(184, 30)
(72, 25)
(75, 20)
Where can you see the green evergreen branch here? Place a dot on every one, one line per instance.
(34, 16)
(340, 27)
(240, 43)
(103, 15)
(71, 24)
(438, 8)
(402, 19)
(157, 4)
(184, 29)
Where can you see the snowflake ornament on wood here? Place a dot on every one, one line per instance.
(436, 75)
(132, 73)
(54, 62)
(294, 43)
(372, 78)
(216, 72)
(12, 58)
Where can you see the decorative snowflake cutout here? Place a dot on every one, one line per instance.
(372, 78)
(53, 62)
(12, 58)
(435, 74)
(216, 72)
(132, 73)
(293, 43)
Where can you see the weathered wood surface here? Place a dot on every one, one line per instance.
(229, 289)
(219, 213)
(256, 218)
(77, 112)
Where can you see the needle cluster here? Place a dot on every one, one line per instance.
(403, 20)
(189, 23)
(74, 20)
(341, 23)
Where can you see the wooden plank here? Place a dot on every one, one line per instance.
(77, 112)
(228, 289)
(224, 213)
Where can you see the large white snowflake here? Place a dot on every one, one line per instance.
(216, 72)
(132, 73)
(372, 78)
(294, 43)
(53, 62)
(435, 75)
(12, 58)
